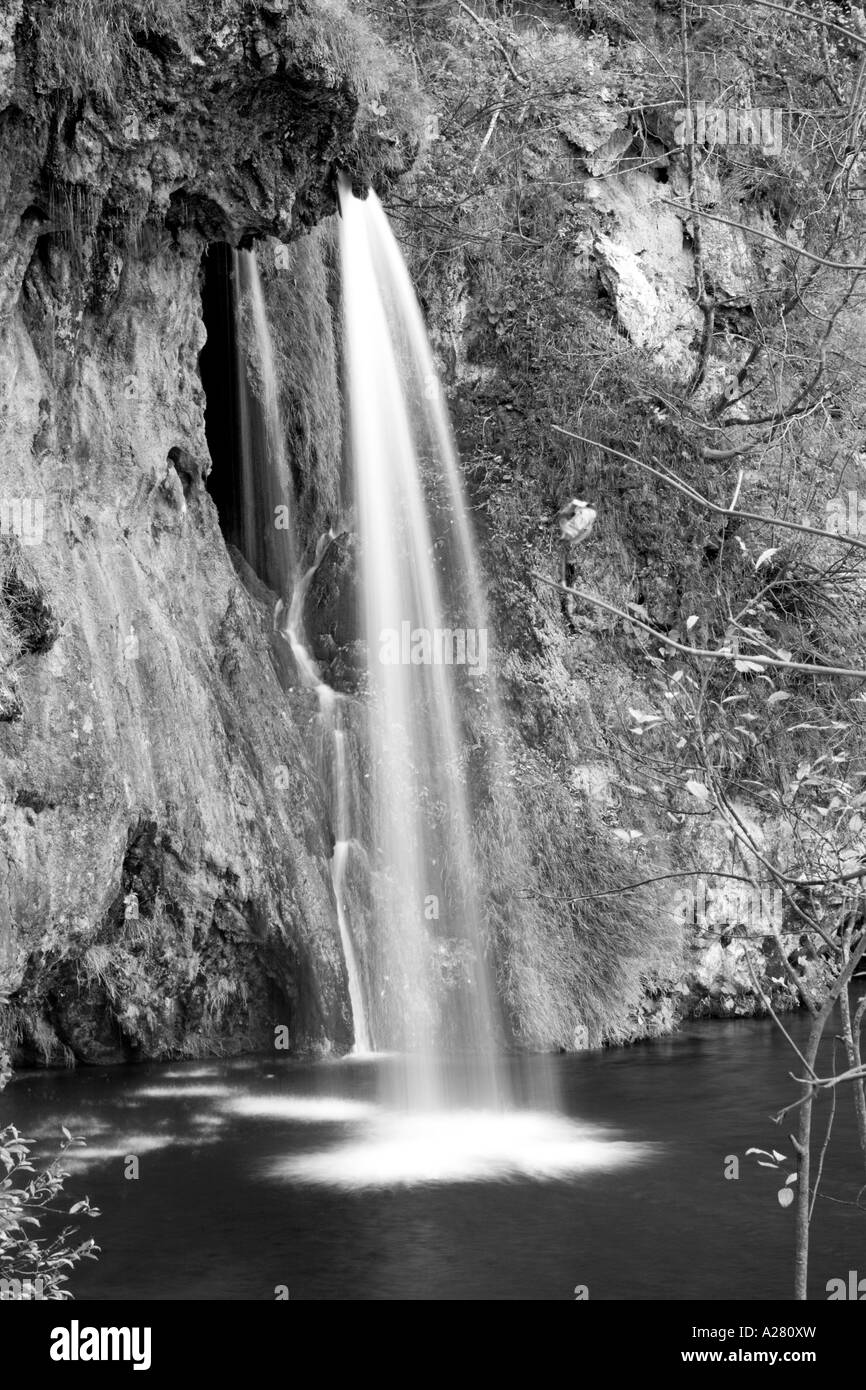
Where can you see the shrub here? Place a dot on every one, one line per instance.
(33, 1265)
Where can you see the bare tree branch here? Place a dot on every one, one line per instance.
(696, 496)
(704, 653)
(852, 266)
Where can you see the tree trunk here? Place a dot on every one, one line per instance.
(801, 1230)
(852, 1048)
(803, 1145)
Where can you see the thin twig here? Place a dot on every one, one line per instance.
(705, 301)
(825, 1144)
(703, 652)
(486, 141)
(766, 236)
(790, 14)
(486, 28)
(765, 998)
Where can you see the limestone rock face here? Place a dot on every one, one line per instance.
(164, 882)
(331, 614)
(656, 314)
(232, 131)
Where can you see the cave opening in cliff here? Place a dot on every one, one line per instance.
(218, 367)
(249, 480)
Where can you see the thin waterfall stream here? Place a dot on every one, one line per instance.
(265, 488)
(265, 482)
(334, 740)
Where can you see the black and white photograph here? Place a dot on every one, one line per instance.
(432, 669)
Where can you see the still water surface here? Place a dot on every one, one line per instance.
(264, 1172)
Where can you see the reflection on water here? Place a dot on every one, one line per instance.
(275, 1172)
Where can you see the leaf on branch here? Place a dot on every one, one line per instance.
(785, 1196)
(765, 556)
(690, 622)
(697, 790)
(742, 665)
(642, 721)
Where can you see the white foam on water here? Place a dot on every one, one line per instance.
(303, 1109)
(205, 1121)
(409, 1150)
(182, 1092)
(189, 1074)
(82, 1125)
(360, 1059)
(118, 1148)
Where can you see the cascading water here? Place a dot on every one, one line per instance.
(268, 543)
(430, 994)
(336, 774)
(427, 648)
(267, 539)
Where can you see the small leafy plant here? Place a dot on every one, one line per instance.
(771, 1158)
(33, 1264)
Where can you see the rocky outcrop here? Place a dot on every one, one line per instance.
(164, 885)
(331, 615)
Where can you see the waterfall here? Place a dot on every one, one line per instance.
(266, 534)
(427, 644)
(336, 774)
(418, 962)
(422, 986)
(269, 547)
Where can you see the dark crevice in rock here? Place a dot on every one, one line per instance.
(160, 46)
(217, 367)
(141, 872)
(25, 796)
(32, 621)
